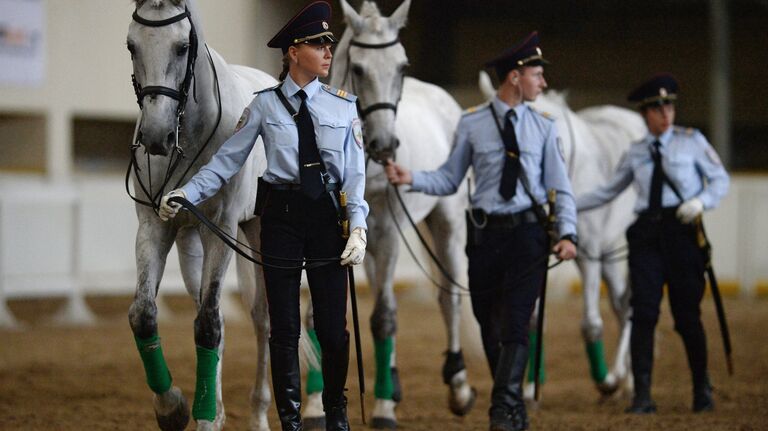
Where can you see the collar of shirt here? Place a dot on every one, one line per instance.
(664, 138)
(501, 109)
(290, 88)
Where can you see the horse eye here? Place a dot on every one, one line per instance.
(357, 70)
(182, 49)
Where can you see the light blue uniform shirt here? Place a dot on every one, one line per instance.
(338, 135)
(688, 160)
(478, 143)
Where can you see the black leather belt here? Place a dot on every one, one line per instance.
(329, 187)
(503, 221)
(666, 213)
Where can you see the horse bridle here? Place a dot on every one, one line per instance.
(179, 95)
(182, 93)
(364, 112)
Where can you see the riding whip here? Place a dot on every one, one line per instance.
(706, 248)
(550, 227)
(353, 297)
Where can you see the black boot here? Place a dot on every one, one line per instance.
(702, 396)
(507, 412)
(641, 345)
(286, 382)
(335, 366)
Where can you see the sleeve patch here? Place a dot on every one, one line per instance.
(357, 132)
(243, 120)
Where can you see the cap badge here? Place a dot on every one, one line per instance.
(325, 25)
(663, 92)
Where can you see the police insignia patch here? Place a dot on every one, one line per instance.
(243, 120)
(357, 132)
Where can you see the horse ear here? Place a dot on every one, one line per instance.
(399, 17)
(351, 16)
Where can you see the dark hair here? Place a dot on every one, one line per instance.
(286, 66)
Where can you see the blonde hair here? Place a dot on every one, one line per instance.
(286, 67)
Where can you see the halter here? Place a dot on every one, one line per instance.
(364, 112)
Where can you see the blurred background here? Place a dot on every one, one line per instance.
(67, 113)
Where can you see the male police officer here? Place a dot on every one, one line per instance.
(677, 175)
(514, 153)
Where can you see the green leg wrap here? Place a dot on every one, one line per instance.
(314, 375)
(383, 387)
(151, 352)
(532, 337)
(597, 367)
(205, 389)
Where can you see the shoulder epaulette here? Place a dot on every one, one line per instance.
(475, 108)
(684, 130)
(546, 115)
(267, 89)
(342, 94)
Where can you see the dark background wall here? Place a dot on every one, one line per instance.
(600, 49)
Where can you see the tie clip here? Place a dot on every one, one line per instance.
(309, 165)
(511, 154)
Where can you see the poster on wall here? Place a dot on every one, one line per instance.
(22, 42)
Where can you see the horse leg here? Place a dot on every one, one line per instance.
(447, 232)
(208, 409)
(592, 322)
(313, 416)
(254, 295)
(614, 274)
(383, 249)
(153, 242)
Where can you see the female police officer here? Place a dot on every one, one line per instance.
(313, 145)
(515, 158)
(677, 175)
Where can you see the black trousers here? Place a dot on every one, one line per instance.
(664, 250)
(506, 270)
(295, 227)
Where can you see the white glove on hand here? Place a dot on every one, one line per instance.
(354, 252)
(690, 209)
(168, 210)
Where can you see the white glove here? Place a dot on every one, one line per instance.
(168, 210)
(354, 252)
(690, 209)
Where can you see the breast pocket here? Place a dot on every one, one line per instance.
(280, 131)
(331, 135)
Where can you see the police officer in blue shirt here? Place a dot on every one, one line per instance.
(677, 176)
(515, 157)
(314, 149)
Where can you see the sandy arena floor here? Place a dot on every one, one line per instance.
(54, 378)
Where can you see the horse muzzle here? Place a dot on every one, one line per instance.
(156, 144)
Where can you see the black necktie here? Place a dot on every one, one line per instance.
(654, 203)
(511, 169)
(310, 163)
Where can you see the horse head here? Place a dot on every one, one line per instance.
(163, 43)
(374, 70)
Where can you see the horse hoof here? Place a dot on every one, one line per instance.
(313, 414)
(462, 399)
(384, 415)
(171, 410)
(608, 386)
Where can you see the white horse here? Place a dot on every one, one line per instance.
(163, 38)
(593, 142)
(414, 121)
